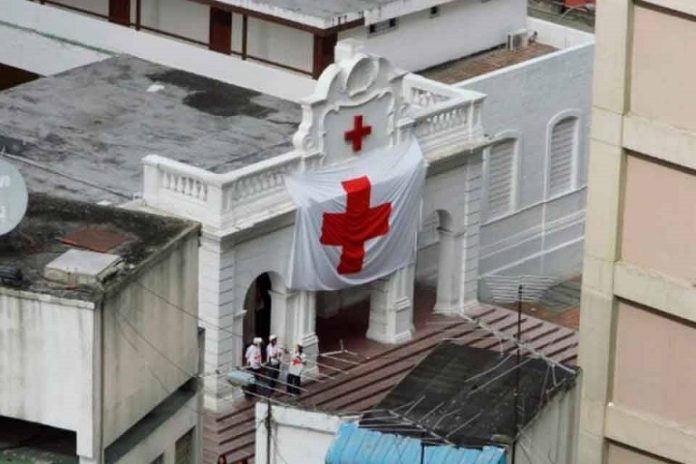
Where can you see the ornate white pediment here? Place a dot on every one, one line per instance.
(355, 108)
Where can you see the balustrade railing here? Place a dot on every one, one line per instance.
(442, 116)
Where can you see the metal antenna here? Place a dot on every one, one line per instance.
(518, 289)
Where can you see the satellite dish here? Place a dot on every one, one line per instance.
(13, 197)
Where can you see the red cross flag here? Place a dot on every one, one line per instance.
(356, 222)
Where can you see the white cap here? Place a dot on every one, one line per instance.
(258, 340)
(272, 337)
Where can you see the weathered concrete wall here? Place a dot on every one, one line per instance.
(462, 27)
(48, 361)
(551, 437)
(542, 235)
(150, 337)
(297, 435)
(162, 441)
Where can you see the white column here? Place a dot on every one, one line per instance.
(467, 240)
(391, 307)
(222, 316)
(447, 274)
(301, 323)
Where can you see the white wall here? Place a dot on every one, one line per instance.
(462, 28)
(137, 376)
(62, 25)
(542, 236)
(47, 361)
(182, 17)
(297, 435)
(95, 6)
(42, 55)
(274, 42)
(558, 36)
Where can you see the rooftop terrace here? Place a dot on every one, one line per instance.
(53, 226)
(465, 68)
(82, 134)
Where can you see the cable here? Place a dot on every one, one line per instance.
(62, 174)
(211, 324)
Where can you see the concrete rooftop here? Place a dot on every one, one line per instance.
(53, 226)
(324, 9)
(82, 134)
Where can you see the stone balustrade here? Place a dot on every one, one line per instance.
(442, 118)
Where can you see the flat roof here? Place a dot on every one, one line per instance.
(466, 394)
(328, 13)
(82, 134)
(461, 69)
(55, 225)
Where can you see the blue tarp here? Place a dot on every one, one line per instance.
(354, 445)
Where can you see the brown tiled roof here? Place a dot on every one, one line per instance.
(364, 385)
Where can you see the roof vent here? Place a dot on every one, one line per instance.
(76, 267)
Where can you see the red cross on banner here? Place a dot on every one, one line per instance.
(359, 223)
(357, 133)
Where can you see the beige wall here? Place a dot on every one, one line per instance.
(663, 70)
(660, 218)
(620, 455)
(655, 370)
(137, 376)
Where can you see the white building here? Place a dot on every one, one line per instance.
(529, 204)
(256, 44)
(99, 365)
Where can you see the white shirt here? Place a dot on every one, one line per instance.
(273, 353)
(297, 362)
(253, 357)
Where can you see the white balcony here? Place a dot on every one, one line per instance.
(446, 121)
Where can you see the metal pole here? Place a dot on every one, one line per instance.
(268, 431)
(517, 370)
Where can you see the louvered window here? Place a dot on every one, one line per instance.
(500, 179)
(561, 156)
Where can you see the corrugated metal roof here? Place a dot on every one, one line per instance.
(354, 445)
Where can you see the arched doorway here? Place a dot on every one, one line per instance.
(258, 306)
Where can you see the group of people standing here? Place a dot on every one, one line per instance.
(266, 369)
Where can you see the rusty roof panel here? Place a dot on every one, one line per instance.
(94, 238)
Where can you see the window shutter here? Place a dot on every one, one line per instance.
(501, 168)
(561, 157)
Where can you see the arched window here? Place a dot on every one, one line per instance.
(563, 147)
(499, 171)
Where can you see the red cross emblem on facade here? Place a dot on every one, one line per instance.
(359, 223)
(357, 133)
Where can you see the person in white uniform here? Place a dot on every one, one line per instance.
(254, 360)
(273, 355)
(297, 363)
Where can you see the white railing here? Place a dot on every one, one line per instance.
(443, 119)
(443, 115)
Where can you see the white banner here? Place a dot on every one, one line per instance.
(356, 222)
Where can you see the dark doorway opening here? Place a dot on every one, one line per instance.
(220, 30)
(257, 322)
(119, 12)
